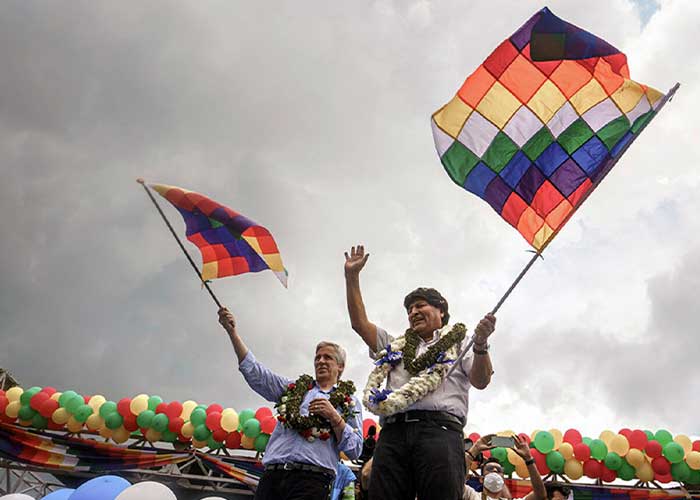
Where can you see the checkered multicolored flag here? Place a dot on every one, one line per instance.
(537, 126)
(230, 243)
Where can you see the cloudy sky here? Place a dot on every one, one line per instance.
(313, 119)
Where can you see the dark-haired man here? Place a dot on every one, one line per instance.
(424, 405)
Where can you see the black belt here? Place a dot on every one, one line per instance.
(297, 466)
(423, 416)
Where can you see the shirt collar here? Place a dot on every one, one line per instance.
(335, 386)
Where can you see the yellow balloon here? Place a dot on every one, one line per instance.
(25, 423)
(557, 435)
(120, 435)
(606, 436)
(198, 444)
(619, 445)
(60, 416)
(247, 442)
(55, 396)
(152, 435)
(94, 422)
(513, 457)
(105, 432)
(566, 450)
(522, 471)
(13, 393)
(693, 459)
(229, 420)
(187, 408)
(12, 409)
(73, 425)
(635, 457)
(685, 442)
(645, 472)
(96, 401)
(187, 430)
(139, 404)
(533, 434)
(505, 433)
(573, 469)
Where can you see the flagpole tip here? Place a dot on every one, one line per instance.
(140, 180)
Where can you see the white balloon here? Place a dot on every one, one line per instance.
(147, 489)
(16, 496)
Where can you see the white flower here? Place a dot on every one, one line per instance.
(284, 399)
(282, 408)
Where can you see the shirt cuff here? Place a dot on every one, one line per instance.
(348, 431)
(248, 362)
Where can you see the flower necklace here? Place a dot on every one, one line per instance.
(428, 370)
(312, 427)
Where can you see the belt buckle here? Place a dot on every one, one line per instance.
(287, 466)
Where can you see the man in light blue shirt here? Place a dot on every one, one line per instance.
(298, 467)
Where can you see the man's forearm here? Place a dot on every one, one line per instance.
(481, 370)
(356, 309)
(538, 489)
(238, 346)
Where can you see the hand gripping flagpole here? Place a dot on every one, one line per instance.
(179, 242)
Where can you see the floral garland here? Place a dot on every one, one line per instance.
(312, 427)
(433, 367)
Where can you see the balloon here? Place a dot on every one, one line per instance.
(27, 395)
(663, 478)
(613, 461)
(592, 469)
(508, 468)
(13, 393)
(124, 407)
(582, 452)
(524, 437)
(198, 416)
(219, 435)
(107, 407)
(168, 436)
(663, 437)
(103, 487)
(567, 450)
(120, 435)
(606, 436)
(673, 452)
(645, 473)
(555, 462)
(94, 422)
(105, 432)
(245, 415)
(586, 441)
(608, 475)
(262, 413)
(268, 425)
(573, 469)
(82, 413)
(685, 442)
(653, 449)
(251, 428)
(625, 432)
(37, 399)
(150, 490)
(572, 436)
(694, 477)
(198, 444)
(173, 410)
(113, 421)
(635, 457)
(3, 403)
(152, 435)
(74, 425)
(229, 420)
(696, 446)
(540, 461)
(56, 396)
(160, 422)
(12, 409)
(175, 424)
(474, 436)
(619, 444)
(139, 404)
(48, 407)
(39, 422)
(187, 430)
(187, 408)
(213, 444)
(556, 434)
(62, 494)
(521, 470)
(247, 443)
(201, 433)
(145, 418)
(626, 472)
(637, 439)
(661, 465)
(153, 402)
(497, 453)
(161, 408)
(693, 460)
(26, 413)
(233, 440)
(544, 442)
(97, 401)
(214, 407)
(60, 416)
(680, 471)
(599, 450)
(213, 420)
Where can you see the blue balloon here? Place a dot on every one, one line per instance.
(62, 494)
(103, 487)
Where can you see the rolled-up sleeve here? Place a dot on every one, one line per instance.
(351, 441)
(261, 379)
(383, 338)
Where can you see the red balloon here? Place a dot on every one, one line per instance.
(653, 449)
(49, 390)
(86, 399)
(540, 461)
(54, 426)
(524, 437)
(573, 436)
(608, 475)
(123, 407)
(638, 439)
(233, 440)
(268, 425)
(130, 422)
(214, 421)
(3, 403)
(474, 436)
(262, 413)
(48, 407)
(37, 400)
(7, 420)
(174, 410)
(696, 445)
(183, 439)
(487, 453)
(592, 468)
(582, 451)
(663, 478)
(661, 465)
(175, 424)
(219, 435)
(161, 408)
(625, 432)
(214, 408)
(2, 392)
(366, 424)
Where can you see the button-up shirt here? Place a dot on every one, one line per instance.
(451, 396)
(287, 445)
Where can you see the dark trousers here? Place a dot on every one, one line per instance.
(294, 485)
(424, 458)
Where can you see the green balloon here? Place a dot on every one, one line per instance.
(198, 417)
(27, 395)
(680, 472)
(113, 421)
(613, 461)
(82, 413)
(587, 441)
(153, 402)
(201, 433)
(261, 442)
(213, 443)
(555, 461)
(650, 435)
(244, 416)
(673, 452)
(663, 437)
(160, 422)
(26, 413)
(65, 397)
(145, 418)
(168, 436)
(694, 477)
(201, 407)
(544, 442)
(599, 450)
(508, 468)
(251, 428)
(107, 408)
(626, 471)
(40, 422)
(74, 403)
(500, 454)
